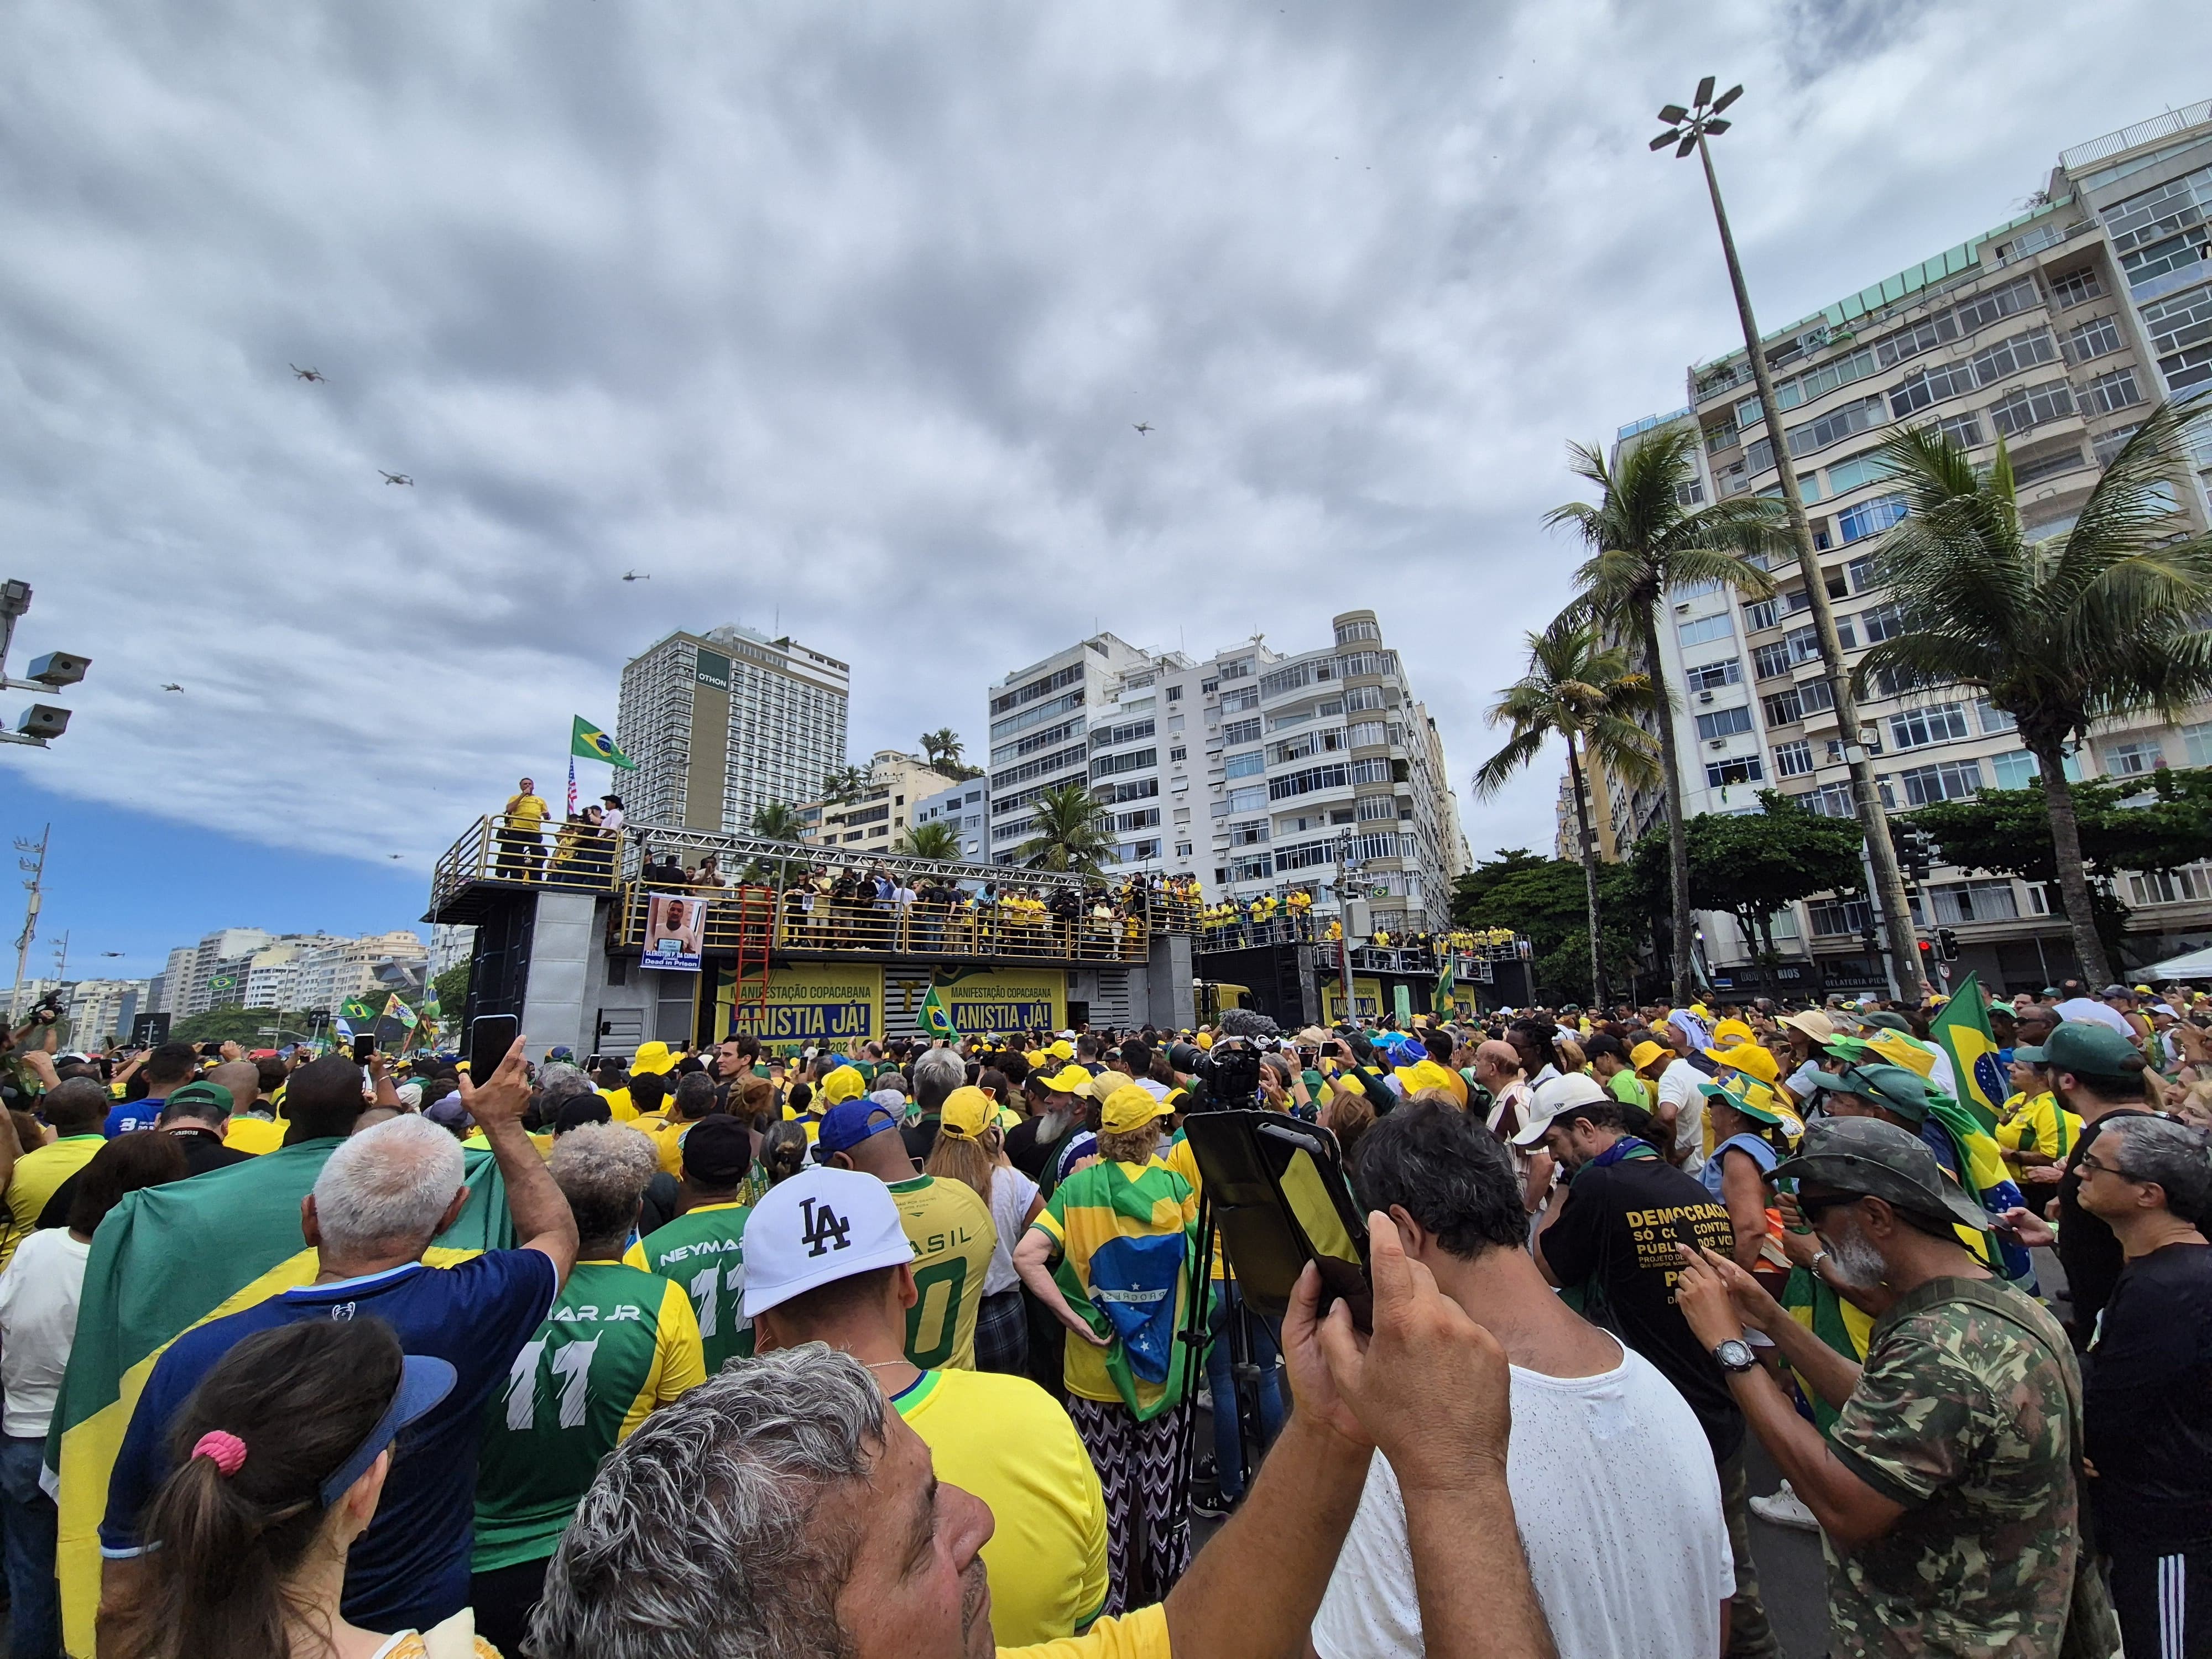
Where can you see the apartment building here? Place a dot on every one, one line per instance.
(2056, 332)
(100, 1010)
(725, 722)
(1253, 769)
(965, 809)
(875, 819)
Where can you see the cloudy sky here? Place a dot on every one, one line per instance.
(839, 319)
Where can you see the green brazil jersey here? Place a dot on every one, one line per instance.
(617, 1344)
(703, 1251)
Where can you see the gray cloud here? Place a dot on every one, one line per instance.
(842, 318)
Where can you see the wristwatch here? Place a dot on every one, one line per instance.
(1735, 1355)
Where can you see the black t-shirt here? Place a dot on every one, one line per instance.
(921, 1136)
(2087, 1249)
(1617, 1231)
(2148, 1401)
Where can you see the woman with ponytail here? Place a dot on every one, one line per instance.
(281, 1455)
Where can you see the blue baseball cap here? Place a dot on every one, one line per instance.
(848, 1123)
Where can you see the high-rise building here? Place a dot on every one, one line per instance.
(2056, 332)
(725, 722)
(879, 813)
(1254, 770)
(217, 969)
(99, 1009)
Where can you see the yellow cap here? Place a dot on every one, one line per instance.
(1062, 1050)
(1750, 1058)
(1130, 1107)
(1205, 1039)
(1067, 1079)
(1730, 1032)
(1645, 1052)
(844, 1084)
(967, 1111)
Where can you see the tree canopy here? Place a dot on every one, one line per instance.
(1545, 900)
(2157, 822)
(1750, 866)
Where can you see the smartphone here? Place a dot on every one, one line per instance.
(490, 1036)
(364, 1047)
(1281, 1199)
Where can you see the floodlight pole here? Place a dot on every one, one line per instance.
(1874, 822)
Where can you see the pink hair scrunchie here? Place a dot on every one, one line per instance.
(222, 1447)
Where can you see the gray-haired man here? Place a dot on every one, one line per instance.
(377, 1204)
(784, 1508)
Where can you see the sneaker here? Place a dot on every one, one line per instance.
(1785, 1509)
(1214, 1508)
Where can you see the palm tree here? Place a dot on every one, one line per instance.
(844, 785)
(775, 820)
(1072, 832)
(1583, 691)
(942, 746)
(2059, 633)
(1643, 541)
(929, 841)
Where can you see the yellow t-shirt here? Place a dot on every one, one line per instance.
(1140, 1635)
(1008, 1441)
(2040, 1124)
(953, 1238)
(527, 812)
(43, 1168)
(618, 1102)
(254, 1134)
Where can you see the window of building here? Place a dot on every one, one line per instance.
(1884, 622)
(2030, 407)
(1251, 869)
(1247, 765)
(1363, 733)
(1245, 696)
(1870, 518)
(2014, 770)
(1346, 632)
(1252, 799)
(1373, 807)
(1931, 384)
(2109, 393)
(1710, 677)
(1375, 769)
(1964, 430)
(1703, 630)
(1993, 720)
(1838, 424)
(2106, 445)
(1761, 613)
(1305, 782)
(2046, 466)
(1239, 669)
(1363, 696)
(1247, 835)
(1916, 728)
(1834, 918)
(2010, 356)
(1737, 769)
(1867, 468)
(1819, 382)
(1769, 660)
(2016, 296)
(2131, 760)
(1178, 752)
(1759, 454)
(1990, 900)
(1830, 800)
(1240, 732)
(2180, 331)
(2197, 743)
(1183, 849)
(1690, 492)
(1924, 785)
(1723, 723)
(2094, 338)
(1175, 694)
(1793, 760)
(2071, 287)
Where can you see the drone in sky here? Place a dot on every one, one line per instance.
(395, 477)
(172, 688)
(1142, 428)
(315, 374)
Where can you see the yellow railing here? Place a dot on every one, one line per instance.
(983, 928)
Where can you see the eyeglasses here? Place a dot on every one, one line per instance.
(2090, 1163)
(1813, 1208)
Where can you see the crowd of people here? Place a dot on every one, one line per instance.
(907, 1346)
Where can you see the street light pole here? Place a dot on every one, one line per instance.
(1689, 132)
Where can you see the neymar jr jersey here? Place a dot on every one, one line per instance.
(618, 1344)
(1008, 1441)
(703, 1251)
(953, 1237)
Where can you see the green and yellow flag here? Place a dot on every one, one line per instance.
(1447, 982)
(591, 744)
(395, 1009)
(1962, 1027)
(355, 1008)
(936, 1019)
(171, 1257)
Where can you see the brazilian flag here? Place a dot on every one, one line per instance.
(355, 1008)
(591, 744)
(171, 1257)
(936, 1019)
(1447, 982)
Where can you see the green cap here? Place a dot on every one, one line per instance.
(1748, 1096)
(2091, 1049)
(1890, 1022)
(1899, 1088)
(211, 1097)
(1865, 1155)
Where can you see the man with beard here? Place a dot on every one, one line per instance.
(1947, 1487)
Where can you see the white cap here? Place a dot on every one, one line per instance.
(821, 1225)
(1553, 1096)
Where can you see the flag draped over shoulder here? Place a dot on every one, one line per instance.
(171, 1257)
(937, 1018)
(1962, 1027)
(591, 744)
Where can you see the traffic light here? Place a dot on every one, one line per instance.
(1927, 958)
(1947, 944)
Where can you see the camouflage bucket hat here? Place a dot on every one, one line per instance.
(1874, 1159)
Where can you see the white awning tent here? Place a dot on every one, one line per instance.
(2194, 964)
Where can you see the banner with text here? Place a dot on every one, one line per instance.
(675, 931)
(1007, 999)
(815, 1002)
